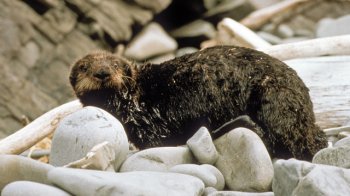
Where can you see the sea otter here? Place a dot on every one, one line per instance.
(164, 104)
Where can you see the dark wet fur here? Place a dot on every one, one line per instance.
(165, 104)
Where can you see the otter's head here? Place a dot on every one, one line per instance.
(102, 71)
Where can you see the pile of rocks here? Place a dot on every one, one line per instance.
(237, 163)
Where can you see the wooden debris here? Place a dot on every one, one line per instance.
(43, 126)
(231, 32)
(260, 17)
(337, 45)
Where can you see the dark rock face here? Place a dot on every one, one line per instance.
(165, 104)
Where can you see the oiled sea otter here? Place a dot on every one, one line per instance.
(164, 104)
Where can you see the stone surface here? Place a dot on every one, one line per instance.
(155, 5)
(157, 159)
(100, 157)
(27, 188)
(202, 146)
(285, 31)
(151, 41)
(337, 156)
(185, 50)
(272, 39)
(15, 168)
(208, 190)
(331, 27)
(91, 182)
(79, 132)
(343, 142)
(237, 193)
(293, 177)
(244, 161)
(209, 174)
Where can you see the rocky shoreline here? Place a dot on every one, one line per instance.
(237, 163)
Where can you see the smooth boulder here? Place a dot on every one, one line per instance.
(244, 161)
(157, 159)
(16, 168)
(79, 132)
(92, 182)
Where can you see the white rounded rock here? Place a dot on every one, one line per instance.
(157, 159)
(337, 156)
(147, 183)
(244, 161)
(210, 175)
(150, 42)
(79, 132)
(27, 188)
(202, 146)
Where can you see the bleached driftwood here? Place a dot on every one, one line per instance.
(231, 32)
(337, 45)
(41, 127)
(328, 79)
(260, 17)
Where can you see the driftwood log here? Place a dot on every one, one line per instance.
(37, 130)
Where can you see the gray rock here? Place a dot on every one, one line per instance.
(244, 161)
(332, 27)
(202, 146)
(284, 31)
(208, 190)
(337, 156)
(343, 142)
(79, 132)
(162, 58)
(185, 50)
(27, 188)
(156, 6)
(293, 177)
(92, 182)
(15, 168)
(237, 193)
(150, 42)
(210, 175)
(157, 159)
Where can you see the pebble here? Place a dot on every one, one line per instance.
(15, 168)
(162, 58)
(343, 142)
(93, 182)
(294, 177)
(155, 6)
(209, 174)
(244, 161)
(337, 156)
(284, 31)
(332, 27)
(157, 159)
(202, 147)
(150, 42)
(79, 132)
(27, 188)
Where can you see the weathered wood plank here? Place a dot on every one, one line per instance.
(328, 79)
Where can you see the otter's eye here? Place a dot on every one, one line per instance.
(83, 68)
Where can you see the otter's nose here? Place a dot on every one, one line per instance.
(102, 74)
